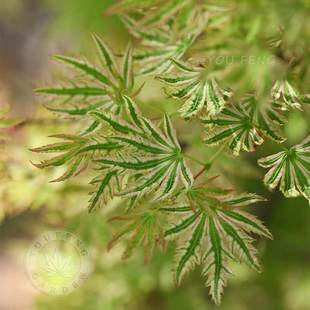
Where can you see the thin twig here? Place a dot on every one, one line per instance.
(195, 160)
(208, 165)
(205, 168)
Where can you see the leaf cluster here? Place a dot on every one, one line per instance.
(141, 162)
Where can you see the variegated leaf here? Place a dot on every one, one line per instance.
(196, 89)
(162, 13)
(154, 153)
(99, 89)
(142, 228)
(156, 59)
(211, 230)
(160, 45)
(165, 31)
(105, 188)
(243, 126)
(291, 169)
(76, 153)
(286, 95)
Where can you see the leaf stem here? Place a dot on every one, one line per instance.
(194, 159)
(208, 165)
(217, 153)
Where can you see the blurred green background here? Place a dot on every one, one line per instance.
(33, 30)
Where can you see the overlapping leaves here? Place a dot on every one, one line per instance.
(161, 44)
(161, 13)
(143, 227)
(156, 57)
(211, 231)
(153, 14)
(243, 126)
(134, 157)
(198, 91)
(291, 169)
(96, 87)
(150, 15)
(74, 151)
(153, 158)
(286, 95)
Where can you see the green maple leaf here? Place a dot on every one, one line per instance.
(243, 126)
(212, 230)
(99, 88)
(135, 157)
(153, 158)
(290, 169)
(286, 95)
(199, 91)
(156, 58)
(104, 188)
(161, 44)
(161, 13)
(150, 15)
(143, 227)
(74, 151)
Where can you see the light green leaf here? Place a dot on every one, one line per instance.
(134, 113)
(183, 224)
(142, 228)
(251, 223)
(211, 230)
(85, 68)
(73, 91)
(104, 190)
(127, 68)
(195, 103)
(290, 169)
(115, 123)
(286, 95)
(80, 111)
(106, 84)
(71, 171)
(135, 165)
(186, 175)
(106, 55)
(74, 153)
(147, 150)
(245, 199)
(215, 269)
(140, 145)
(169, 184)
(242, 125)
(170, 132)
(198, 90)
(163, 13)
(157, 59)
(187, 257)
